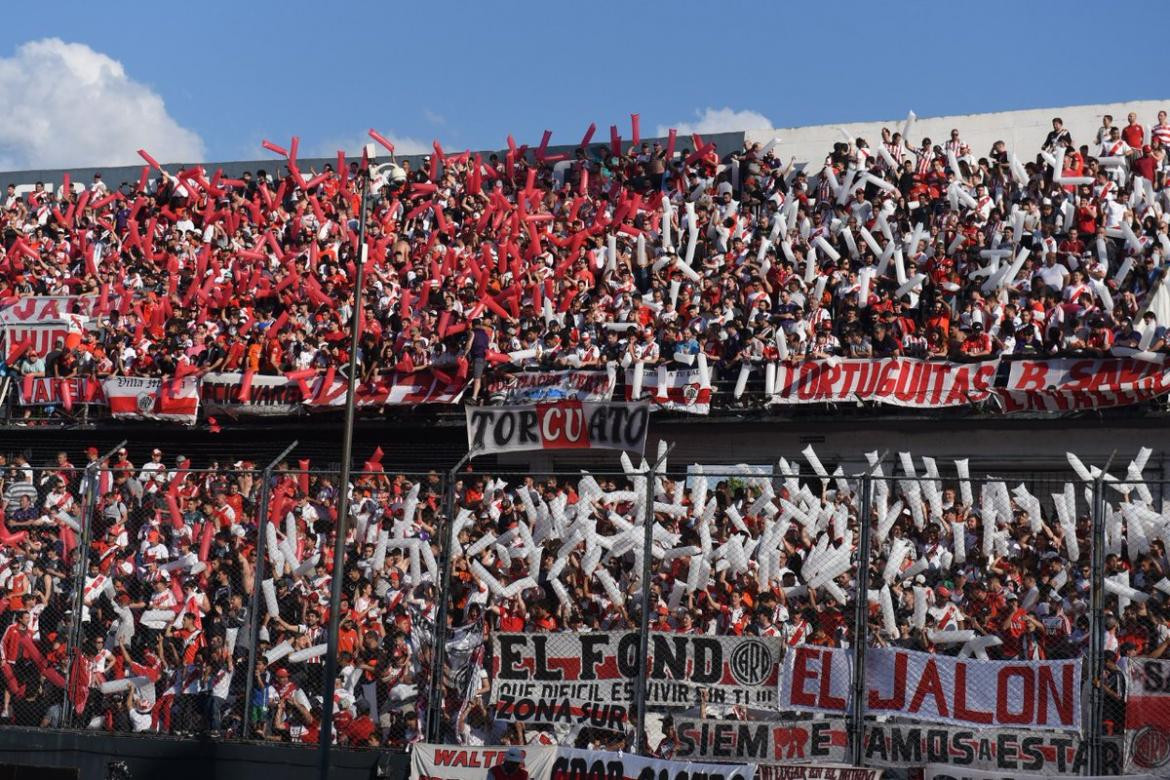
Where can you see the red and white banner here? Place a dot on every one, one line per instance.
(1019, 695)
(922, 384)
(559, 425)
(141, 398)
(549, 762)
(526, 387)
(267, 395)
(45, 391)
(1147, 716)
(1073, 384)
(688, 390)
(395, 389)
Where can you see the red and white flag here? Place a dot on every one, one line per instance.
(687, 391)
(141, 398)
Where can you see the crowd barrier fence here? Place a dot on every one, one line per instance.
(185, 601)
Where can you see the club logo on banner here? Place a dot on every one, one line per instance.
(1047, 753)
(1066, 385)
(590, 678)
(548, 762)
(761, 741)
(897, 381)
(140, 398)
(937, 688)
(526, 387)
(562, 425)
(1147, 716)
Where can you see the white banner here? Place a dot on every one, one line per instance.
(936, 772)
(818, 772)
(1006, 751)
(789, 741)
(559, 425)
(909, 382)
(269, 395)
(546, 762)
(589, 679)
(937, 688)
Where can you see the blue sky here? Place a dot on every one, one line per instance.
(231, 73)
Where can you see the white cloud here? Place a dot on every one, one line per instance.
(352, 146)
(65, 104)
(718, 120)
(434, 118)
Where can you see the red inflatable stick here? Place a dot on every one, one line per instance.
(585, 139)
(66, 393)
(698, 154)
(205, 540)
(153, 163)
(303, 476)
(382, 140)
(540, 150)
(246, 387)
(671, 137)
(636, 128)
(273, 148)
(615, 141)
(176, 515)
(292, 150)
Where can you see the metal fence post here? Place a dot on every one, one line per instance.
(640, 741)
(257, 578)
(1097, 624)
(92, 483)
(439, 652)
(861, 623)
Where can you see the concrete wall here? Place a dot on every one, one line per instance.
(1023, 131)
(149, 758)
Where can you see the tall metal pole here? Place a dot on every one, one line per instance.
(1097, 617)
(861, 622)
(434, 724)
(92, 481)
(326, 738)
(257, 578)
(1097, 622)
(644, 627)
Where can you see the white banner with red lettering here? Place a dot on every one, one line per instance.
(142, 398)
(40, 321)
(937, 688)
(549, 762)
(47, 391)
(923, 384)
(1073, 384)
(393, 389)
(688, 390)
(559, 425)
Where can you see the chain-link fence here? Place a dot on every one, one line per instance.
(798, 611)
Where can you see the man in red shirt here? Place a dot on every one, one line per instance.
(1134, 134)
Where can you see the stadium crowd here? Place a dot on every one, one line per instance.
(171, 593)
(625, 252)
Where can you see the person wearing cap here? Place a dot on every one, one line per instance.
(511, 768)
